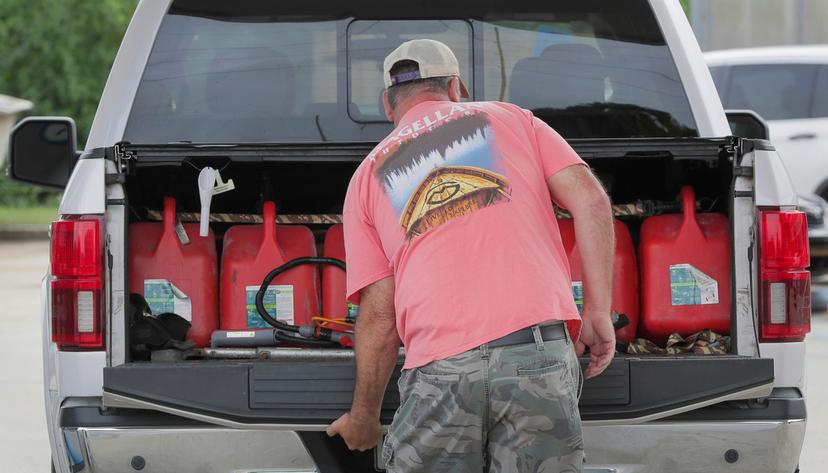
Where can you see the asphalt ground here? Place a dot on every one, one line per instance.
(24, 446)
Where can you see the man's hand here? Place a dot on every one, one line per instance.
(360, 432)
(598, 334)
(376, 347)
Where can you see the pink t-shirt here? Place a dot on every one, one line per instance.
(454, 204)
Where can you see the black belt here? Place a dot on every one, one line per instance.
(525, 335)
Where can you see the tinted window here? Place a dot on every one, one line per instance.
(209, 80)
(259, 71)
(775, 91)
(588, 74)
(719, 74)
(370, 41)
(820, 108)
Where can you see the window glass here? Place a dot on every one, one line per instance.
(820, 107)
(719, 74)
(370, 41)
(775, 91)
(298, 71)
(209, 80)
(588, 73)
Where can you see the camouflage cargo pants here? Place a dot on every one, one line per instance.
(506, 409)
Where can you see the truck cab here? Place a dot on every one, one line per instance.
(285, 99)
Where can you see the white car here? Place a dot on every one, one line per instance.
(788, 87)
(282, 97)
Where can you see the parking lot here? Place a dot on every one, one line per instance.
(23, 442)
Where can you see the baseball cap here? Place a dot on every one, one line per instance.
(434, 59)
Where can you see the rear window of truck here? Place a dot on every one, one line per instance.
(253, 71)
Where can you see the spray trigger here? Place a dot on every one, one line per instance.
(206, 181)
(222, 186)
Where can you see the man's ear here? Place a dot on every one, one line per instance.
(387, 107)
(454, 89)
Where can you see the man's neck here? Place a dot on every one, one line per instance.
(404, 106)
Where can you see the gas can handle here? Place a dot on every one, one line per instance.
(269, 217)
(168, 225)
(169, 215)
(269, 233)
(688, 205)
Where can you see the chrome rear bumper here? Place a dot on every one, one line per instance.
(184, 450)
(655, 447)
(691, 447)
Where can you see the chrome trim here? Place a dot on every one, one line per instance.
(696, 446)
(757, 392)
(188, 450)
(117, 400)
(646, 448)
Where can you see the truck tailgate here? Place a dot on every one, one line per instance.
(308, 395)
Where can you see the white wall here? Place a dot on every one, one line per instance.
(726, 24)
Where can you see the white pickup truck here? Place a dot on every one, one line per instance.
(290, 90)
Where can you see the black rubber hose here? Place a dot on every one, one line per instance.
(284, 337)
(279, 270)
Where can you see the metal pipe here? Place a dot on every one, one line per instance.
(226, 353)
(281, 354)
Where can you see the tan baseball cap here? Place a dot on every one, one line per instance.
(434, 58)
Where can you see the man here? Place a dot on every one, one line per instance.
(452, 245)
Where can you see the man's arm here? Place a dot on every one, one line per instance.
(376, 346)
(580, 192)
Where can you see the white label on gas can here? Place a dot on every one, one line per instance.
(278, 302)
(164, 296)
(690, 286)
(246, 334)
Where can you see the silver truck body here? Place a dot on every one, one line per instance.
(655, 443)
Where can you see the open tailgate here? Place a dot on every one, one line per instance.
(308, 395)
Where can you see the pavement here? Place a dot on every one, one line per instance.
(24, 446)
(814, 454)
(24, 232)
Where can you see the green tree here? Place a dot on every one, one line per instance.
(58, 53)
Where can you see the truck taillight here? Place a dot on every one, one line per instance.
(77, 287)
(785, 282)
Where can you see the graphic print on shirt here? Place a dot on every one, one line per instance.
(449, 171)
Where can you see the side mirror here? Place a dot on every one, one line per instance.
(43, 151)
(747, 124)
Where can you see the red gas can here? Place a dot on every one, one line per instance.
(252, 251)
(685, 272)
(624, 274)
(333, 278)
(176, 277)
